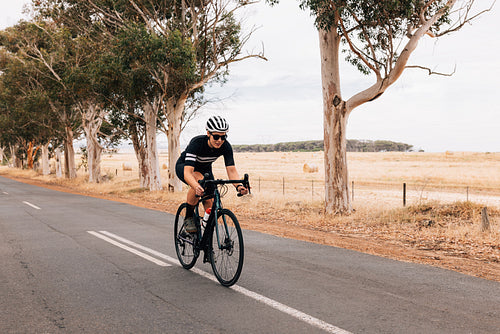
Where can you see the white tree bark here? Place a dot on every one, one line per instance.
(92, 118)
(335, 117)
(175, 109)
(45, 159)
(153, 179)
(69, 154)
(1, 154)
(58, 155)
(13, 156)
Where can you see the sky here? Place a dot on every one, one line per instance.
(280, 99)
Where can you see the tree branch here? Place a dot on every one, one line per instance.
(431, 72)
(466, 19)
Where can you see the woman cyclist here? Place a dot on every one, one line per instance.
(197, 160)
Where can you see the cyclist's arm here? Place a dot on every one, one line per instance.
(232, 173)
(191, 179)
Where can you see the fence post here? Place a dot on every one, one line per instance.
(485, 222)
(404, 194)
(283, 186)
(259, 183)
(467, 193)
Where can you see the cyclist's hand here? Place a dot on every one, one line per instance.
(199, 190)
(242, 190)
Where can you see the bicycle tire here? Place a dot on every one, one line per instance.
(184, 241)
(227, 260)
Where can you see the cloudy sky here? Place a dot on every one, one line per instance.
(280, 99)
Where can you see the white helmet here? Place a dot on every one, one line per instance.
(217, 124)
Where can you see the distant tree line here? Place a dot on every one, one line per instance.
(353, 145)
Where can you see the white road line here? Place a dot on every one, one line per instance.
(146, 249)
(292, 312)
(32, 205)
(329, 328)
(130, 249)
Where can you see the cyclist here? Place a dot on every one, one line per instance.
(197, 160)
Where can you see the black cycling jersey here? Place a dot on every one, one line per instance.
(201, 156)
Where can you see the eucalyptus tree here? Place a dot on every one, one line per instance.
(200, 39)
(51, 52)
(26, 121)
(378, 38)
(131, 54)
(136, 97)
(217, 40)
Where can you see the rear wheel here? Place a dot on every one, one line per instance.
(227, 248)
(184, 241)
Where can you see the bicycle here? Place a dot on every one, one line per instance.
(220, 237)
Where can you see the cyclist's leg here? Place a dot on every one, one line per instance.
(191, 195)
(191, 200)
(209, 190)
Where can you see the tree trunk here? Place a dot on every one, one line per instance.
(152, 160)
(45, 159)
(69, 154)
(175, 108)
(335, 115)
(30, 155)
(92, 118)
(13, 156)
(140, 152)
(58, 162)
(1, 154)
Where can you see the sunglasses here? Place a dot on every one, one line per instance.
(217, 137)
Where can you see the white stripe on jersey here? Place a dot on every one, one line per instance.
(206, 159)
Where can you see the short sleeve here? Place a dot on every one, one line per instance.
(228, 155)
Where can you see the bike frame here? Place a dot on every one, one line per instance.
(218, 249)
(206, 237)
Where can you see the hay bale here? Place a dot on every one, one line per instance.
(310, 167)
(126, 166)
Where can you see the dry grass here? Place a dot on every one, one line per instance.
(449, 230)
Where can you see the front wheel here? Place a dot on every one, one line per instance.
(227, 248)
(184, 241)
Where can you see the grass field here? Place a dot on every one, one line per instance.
(378, 177)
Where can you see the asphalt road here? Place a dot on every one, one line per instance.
(74, 264)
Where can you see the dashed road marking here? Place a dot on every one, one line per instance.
(32, 205)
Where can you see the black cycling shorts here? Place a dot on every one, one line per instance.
(179, 171)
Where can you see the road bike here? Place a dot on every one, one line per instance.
(220, 237)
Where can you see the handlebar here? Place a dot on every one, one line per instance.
(245, 182)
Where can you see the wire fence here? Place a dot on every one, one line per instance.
(391, 194)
